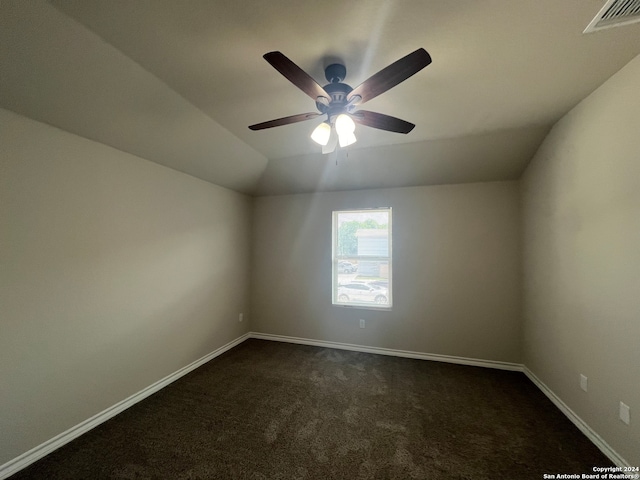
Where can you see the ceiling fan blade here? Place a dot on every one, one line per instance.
(390, 76)
(296, 75)
(301, 117)
(381, 121)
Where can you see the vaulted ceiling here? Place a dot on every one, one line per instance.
(178, 83)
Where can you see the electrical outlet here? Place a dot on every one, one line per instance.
(241, 317)
(362, 323)
(624, 413)
(583, 382)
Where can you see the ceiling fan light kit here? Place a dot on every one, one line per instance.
(345, 128)
(338, 101)
(321, 134)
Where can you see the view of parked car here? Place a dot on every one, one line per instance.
(362, 292)
(347, 267)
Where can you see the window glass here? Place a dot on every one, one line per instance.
(362, 258)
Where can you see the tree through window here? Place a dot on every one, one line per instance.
(362, 258)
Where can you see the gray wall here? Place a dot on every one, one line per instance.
(456, 274)
(114, 272)
(581, 217)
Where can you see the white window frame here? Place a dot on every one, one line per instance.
(336, 259)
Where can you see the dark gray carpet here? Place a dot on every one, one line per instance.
(269, 410)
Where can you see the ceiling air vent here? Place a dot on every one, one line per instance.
(614, 14)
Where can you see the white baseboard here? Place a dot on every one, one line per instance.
(58, 441)
(474, 362)
(578, 422)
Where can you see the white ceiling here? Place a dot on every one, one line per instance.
(178, 82)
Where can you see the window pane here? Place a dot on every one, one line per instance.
(362, 258)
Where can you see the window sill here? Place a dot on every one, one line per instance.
(365, 307)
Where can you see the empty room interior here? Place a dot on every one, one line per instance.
(468, 210)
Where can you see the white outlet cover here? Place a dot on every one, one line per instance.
(583, 382)
(624, 413)
(361, 323)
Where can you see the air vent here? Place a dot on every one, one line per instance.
(614, 14)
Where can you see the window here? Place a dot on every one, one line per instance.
(362, 258)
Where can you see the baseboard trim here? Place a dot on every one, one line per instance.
(577, 421)
(36, 453)
(474, 362)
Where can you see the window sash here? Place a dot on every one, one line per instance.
(381, 259)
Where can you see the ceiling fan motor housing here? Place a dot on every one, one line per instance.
(338, 91)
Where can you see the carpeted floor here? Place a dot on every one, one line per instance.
(269, 410)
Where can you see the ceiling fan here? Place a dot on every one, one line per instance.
(339, 102)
